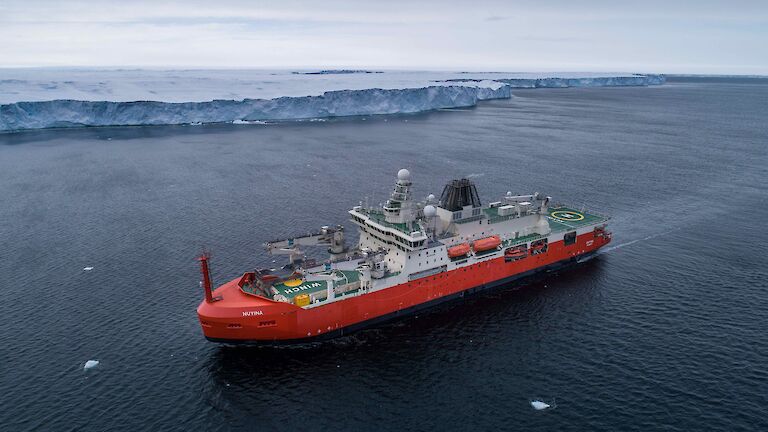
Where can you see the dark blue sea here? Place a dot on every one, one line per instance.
(667, 329)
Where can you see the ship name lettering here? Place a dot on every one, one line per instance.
(303, 287)
(253, 313)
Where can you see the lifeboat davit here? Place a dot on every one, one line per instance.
(458, 250)
(487, 243)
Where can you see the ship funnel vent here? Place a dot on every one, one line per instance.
(458, 194)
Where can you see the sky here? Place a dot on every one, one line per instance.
(686, 36)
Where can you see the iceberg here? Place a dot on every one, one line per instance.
(336, 71)
(90, 364)
(54, 99)
(540, 405)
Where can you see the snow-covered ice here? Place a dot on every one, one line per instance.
(539, 405)
(87, 268)
(90, 364)
(45, 98)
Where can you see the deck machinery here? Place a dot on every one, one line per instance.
(410, 255)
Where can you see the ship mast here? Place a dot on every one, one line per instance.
(400, 208)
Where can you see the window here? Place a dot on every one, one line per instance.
(456, 215)
(476, 212)
(569, 238)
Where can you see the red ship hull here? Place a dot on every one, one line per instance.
(242, 318)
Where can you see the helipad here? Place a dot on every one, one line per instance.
(563, 218)
(567, 215)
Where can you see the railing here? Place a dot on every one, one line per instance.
(521, 240)
(469, 219)
(370, 213)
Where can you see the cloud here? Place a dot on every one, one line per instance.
(597, 35)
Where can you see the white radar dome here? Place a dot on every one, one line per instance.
(430, 211)
(403, 174)
(431, 197)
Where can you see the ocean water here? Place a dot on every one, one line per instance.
(667, 329)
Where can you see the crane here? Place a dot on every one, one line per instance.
(333, 237)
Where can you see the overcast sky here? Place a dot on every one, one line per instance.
(595, 35)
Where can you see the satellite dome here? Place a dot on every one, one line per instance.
(430, 211)
(509, 193)
(431, 197)
(403, 174)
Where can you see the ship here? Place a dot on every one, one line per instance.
(410, 255)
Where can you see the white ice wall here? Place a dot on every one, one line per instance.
(43, 98)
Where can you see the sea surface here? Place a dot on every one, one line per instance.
(667, 329)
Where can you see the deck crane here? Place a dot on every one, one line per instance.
(333, 237)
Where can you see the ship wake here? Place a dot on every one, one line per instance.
(630, 243)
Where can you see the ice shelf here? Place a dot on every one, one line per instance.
(50, 98)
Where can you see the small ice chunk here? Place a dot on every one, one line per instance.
(539, 405)
(90, 364)
(87, 268)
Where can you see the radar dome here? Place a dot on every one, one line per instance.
(430, 211)
(403, 174)
(431, 197)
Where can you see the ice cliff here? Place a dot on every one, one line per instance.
(447, 92)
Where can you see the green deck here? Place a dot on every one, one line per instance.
(379, 217)
(521, 240)
(559, 219)
(308, 287)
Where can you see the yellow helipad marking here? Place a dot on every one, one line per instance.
(292, 282)
(567, 215)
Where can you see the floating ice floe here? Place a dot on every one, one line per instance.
(249, 122)
(87, 268)
(539, 405)
(90, 364)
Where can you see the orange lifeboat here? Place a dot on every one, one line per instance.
(515, 253)
(487, 243)
(458, 250)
